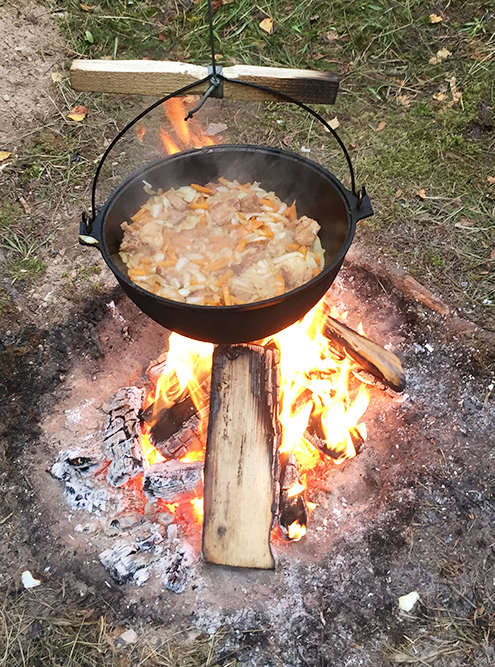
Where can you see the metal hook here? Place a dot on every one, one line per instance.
(215, 89)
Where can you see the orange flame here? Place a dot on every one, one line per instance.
(189, 133)
(315, 387)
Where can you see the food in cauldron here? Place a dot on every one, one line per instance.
(222, 244)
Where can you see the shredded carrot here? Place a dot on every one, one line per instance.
(223, 180)
(293, 247)
(142, 215)
(137, 272)
(316, 272)
(271, 204)
(235, 301)
(219, 263)
(199, 262)
(242, 245)
(203, 221)
(200, 204)
(256, 224)
(241, 215)
(182, 242)
(226, 296)
(201, 188)
(303, 250)
(145, 260)
(268, 232)
(167, 263)
(193, 281)
(212, 301)
(171, 254)
(228, 274)
(291, 213)
(155, 288)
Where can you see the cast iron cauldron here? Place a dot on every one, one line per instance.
(318, 194)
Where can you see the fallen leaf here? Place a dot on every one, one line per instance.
(215, 128)
(405, 100)
(25, 205)
(421, 193)
(398, 193)
(268, 26)
(318, 56)
(492, 254)
(78, 113)
(344, 69)
(439, 97)
(57, 77)
(216, 4)
(85, 8)
(352, 146)
(334, 123)
(490, 180)
(478, 55)
(442, 54)
(4, 155)
(434, 18)
(329, 37)
(381, 126)
(89, 37)
(465, 222)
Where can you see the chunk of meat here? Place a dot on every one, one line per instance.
(254, 252)
(176, 202)
(295, 271)
(174, 216)
(130, 242)
(306, 230)
(250, 204)
(152, 234)
(223, 212)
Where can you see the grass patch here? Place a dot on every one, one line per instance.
(438, 111)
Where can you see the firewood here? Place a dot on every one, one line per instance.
(169, 480)
(120, 438)
(314, 434)
(292, 506)
(240, 487)
(150, 77)
(384, 365)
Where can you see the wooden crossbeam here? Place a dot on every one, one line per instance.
(149, 77)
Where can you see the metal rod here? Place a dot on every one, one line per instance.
(212, 39)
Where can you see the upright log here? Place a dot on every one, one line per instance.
(241, 466)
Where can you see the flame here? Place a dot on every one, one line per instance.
(189, 133)
(296, 531)
(316, 392)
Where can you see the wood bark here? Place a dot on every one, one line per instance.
(148, 77)
(241, 466)
(382, 364)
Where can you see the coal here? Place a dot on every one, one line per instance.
(171, 479)
(292, 508)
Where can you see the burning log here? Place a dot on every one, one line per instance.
(120, 443)
(293, 513)
(175, 431)
(316, 436)
(240, 496)
(385, 366)
(170, 479)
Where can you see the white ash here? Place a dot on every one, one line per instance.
(170, 479)
(76, 469)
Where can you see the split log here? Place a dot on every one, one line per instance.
(150, 77)
(314, 434)
(169, 480)
(120, 438)
(292, 505)
(240, 487)
(384, 365)
(177, 430)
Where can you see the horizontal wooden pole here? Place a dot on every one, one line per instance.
(156, 78)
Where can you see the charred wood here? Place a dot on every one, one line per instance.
(292, 506)
(171, 479)
(120, 438)
(241, 468)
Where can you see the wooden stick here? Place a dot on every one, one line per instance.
(149, 77)
(240, 491)
(381, 363)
